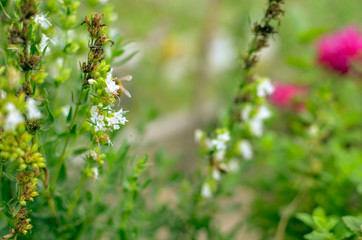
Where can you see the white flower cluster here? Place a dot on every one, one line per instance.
(14, 116)
(107, 123)
(255, 119)
(32, 110)
(112, 87)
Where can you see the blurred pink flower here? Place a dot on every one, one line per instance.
(338, 49)
(287, 96)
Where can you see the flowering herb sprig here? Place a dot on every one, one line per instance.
(20, 114)
(104, 88)
(248, 113)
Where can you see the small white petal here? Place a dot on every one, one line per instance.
(32, 109)
(246, 149)
(206, 191)
(198, 135)
(91, 81)
(265, 88)
(216, 174)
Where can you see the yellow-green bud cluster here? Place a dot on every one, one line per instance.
(18, 148)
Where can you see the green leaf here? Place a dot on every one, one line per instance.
(353, 223)
(74, 129)
(306, 219)
(311, 35)
(126, 59)
(320, 222)
(69, 117)
(318, 236)
(50, 114)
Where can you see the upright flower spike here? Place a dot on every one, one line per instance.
(249, 110)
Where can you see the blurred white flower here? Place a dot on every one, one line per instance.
(233, 165)
(224, 137)
(45, 42)
(42, 20)
(255, 122)
(263, 113)
(206, 190)
(93, 155)
(13, 118)
(216, 174)
(112, 87)
(32, 110)
(256, 127)
(65, 110)
(2, 94)
(198, 135)
(245, 113)
(220, 142)
(246, 149)
(219, 155)
(264, 88)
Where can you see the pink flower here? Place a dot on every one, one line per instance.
(288, 96)
(339, 49)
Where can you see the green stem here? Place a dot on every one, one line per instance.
(64, 151)
(79, 188)
(288, 212)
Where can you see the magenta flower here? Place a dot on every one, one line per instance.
(339, 49)
(288, 96)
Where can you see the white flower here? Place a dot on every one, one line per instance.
(112, 87)
(206, 191)
(32, 110)
(100, 125)
(95, 173)
(219, 145)
(198, 135)
(256, 127)
(65, 110)
(220, 142)
(44, 42)
(93, 155)
(263, 113)
(42, 20)
(14, 117)
(91, 81)
(264, 88)
(117, 119)
(209, 144)
(224, 137)
(246, 149)
(97, 119)
(256, 121)
(233, 165)
(219, 155)
(109, 141)
(245, 113)
(103, 1)
(216, 174)
(2, 94)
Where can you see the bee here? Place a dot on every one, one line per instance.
(121, 88)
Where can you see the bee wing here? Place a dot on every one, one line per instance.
(125, 91)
